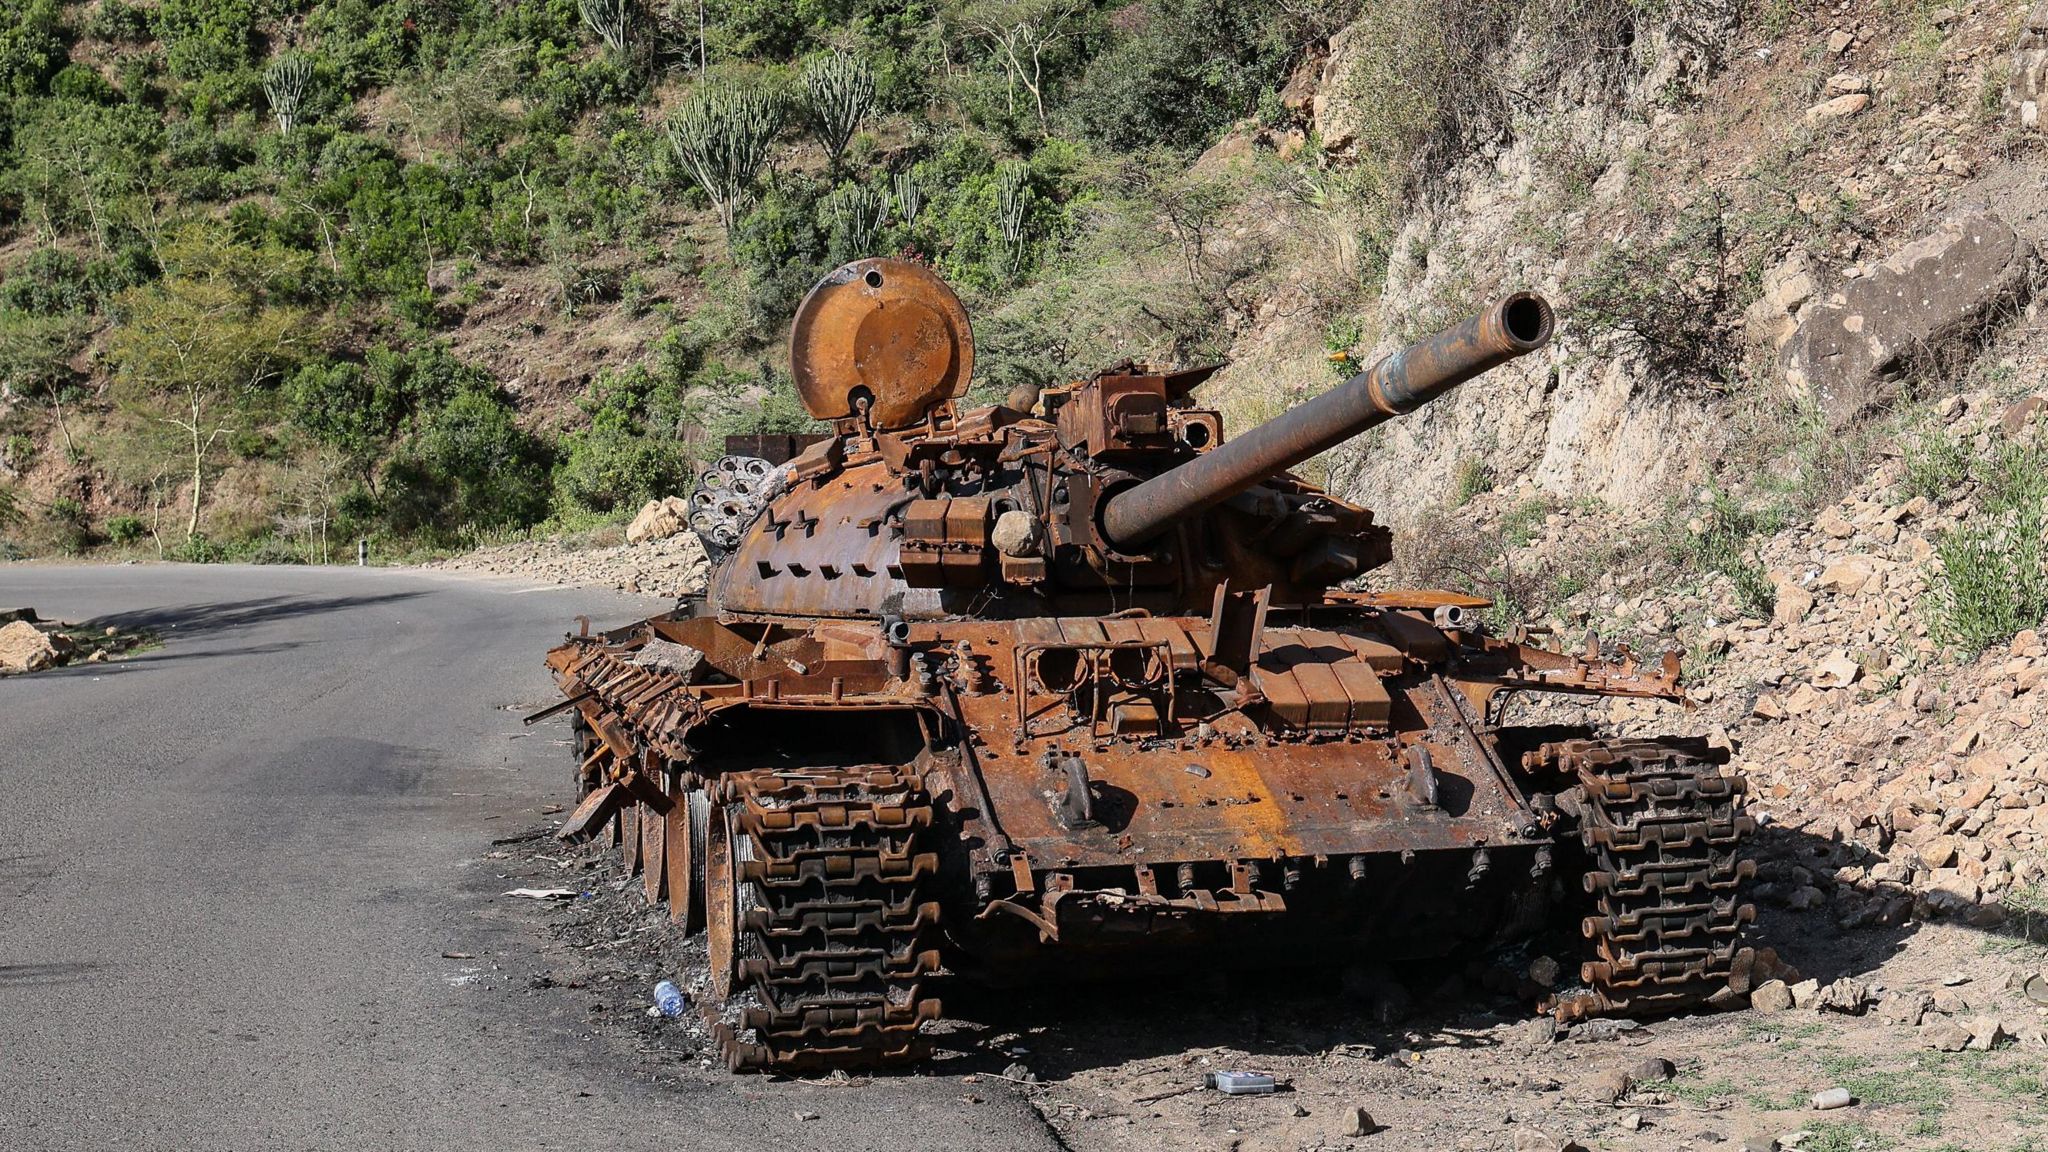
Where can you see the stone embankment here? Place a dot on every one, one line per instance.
(1854, 717)
(659, 558)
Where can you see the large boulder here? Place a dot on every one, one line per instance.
(26, 648)
(658, 520)
(1932, 290)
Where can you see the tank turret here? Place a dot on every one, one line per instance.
(1113, 492)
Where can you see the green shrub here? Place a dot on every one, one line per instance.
(211, 46)
(962, 225)
(197, 549)
(78, 82)
(70, 525)
(780, 250)
(1937, 464)
(775, 407)
(1722, 543)
(1664, 292)
(361, 409)
(753, 29)
(1474, 476)
(79, 166)
(609, 469)
(119, 23)
(469, 465)
(1991, 581)
(36, 351)
(31, 46)
(126, 529)
(1184, 70)
(47, 282)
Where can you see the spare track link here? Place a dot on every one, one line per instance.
(1663, 829)
(834, 929)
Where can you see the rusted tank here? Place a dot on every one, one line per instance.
(1074, 681)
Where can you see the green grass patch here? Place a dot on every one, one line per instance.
(1937, 465)
(1845, 1137)
(1991, 581)
(1698, 1091)
(1474, 477)
(1720, 539)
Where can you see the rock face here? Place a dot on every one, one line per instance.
(25, 648)
(658, 520)
(1928, 291)
(2028, 86)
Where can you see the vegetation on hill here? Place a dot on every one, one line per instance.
(254, 253)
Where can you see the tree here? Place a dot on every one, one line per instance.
(838, 93)
(80, 164)
(722, 136)
(31, 46)
(35, 358)
(468, 465)
(191, 350)
(1023, 34)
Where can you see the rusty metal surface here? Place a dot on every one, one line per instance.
(889, 330)
(775, 448)
(930, 686)
(1512, 326)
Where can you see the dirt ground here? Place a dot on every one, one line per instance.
(1433, 1058)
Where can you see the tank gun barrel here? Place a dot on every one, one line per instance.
(1509, 327)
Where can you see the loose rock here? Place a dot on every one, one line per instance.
(1771, 996)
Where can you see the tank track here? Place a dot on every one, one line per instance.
(832, 920)
(1663, 829)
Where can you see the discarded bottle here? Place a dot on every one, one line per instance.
(669, 999)
(1831, 1099)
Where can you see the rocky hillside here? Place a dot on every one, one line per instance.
(453, 276)
(1691, 192)
(1849, 686)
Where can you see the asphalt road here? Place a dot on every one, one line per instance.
(230, 867)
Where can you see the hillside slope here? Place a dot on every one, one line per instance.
(452, 276)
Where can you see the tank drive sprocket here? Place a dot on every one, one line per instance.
(1662, 828)
(819, 923)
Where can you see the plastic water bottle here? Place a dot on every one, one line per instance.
(669, 999)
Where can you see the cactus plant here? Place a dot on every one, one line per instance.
(611, 20)
(909, 198)
(722, 136)
(284, 85)
(838, 93)
(1013, 203)
(859, 212)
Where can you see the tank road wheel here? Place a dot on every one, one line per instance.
(683, 857)
(817, 918)
(1662, 829)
